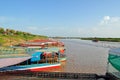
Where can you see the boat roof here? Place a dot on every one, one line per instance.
(53, 49)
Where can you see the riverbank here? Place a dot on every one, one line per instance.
(8, 40)
(10, 37)
(103, 39)
(91, 38)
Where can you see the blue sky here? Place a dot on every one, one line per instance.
(81, 18)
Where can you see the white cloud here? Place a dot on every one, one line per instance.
(108, 27)
(109, 20)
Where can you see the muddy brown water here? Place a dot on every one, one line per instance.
(85, 58)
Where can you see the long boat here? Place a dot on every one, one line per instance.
(39, 61)
(43, 43)
(58, 50)
(50, 45)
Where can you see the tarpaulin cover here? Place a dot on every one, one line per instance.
(36, 56)
(114, 58)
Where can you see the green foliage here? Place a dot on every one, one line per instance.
(2, 31)
(104, 39)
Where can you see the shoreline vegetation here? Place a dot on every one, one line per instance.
(103, 39)
(10, 37)
(91, 38)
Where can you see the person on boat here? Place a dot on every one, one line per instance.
(62, 51)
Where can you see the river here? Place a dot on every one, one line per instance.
(85, 57)
(82, 57)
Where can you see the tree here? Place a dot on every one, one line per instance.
(2, 31)
(12, 32)
(7, 31)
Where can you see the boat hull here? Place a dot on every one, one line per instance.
(63, 59)
(33, 67)
(46, 68)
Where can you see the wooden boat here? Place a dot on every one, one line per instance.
(43, 43)
(39, 61)
(58, 50)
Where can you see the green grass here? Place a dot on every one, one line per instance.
(6, 40)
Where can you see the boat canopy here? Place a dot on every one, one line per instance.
(114, 58)
(50, 50)
(36, 56)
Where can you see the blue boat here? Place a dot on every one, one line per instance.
(40, 61)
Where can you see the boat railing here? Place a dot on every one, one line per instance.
(10, 52)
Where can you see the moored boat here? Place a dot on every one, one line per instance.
(113, 67)
(43, 43)
(40, 57)
(39, 61)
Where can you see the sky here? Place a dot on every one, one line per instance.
(73, 18)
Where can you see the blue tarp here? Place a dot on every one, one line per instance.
(36, 56)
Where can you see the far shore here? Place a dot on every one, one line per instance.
(91, 38)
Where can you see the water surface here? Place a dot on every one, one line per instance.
(85, 57)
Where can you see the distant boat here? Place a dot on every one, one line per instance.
(95, 40)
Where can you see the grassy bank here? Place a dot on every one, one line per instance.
(7, 40)
(12, 37)
(104, 39)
